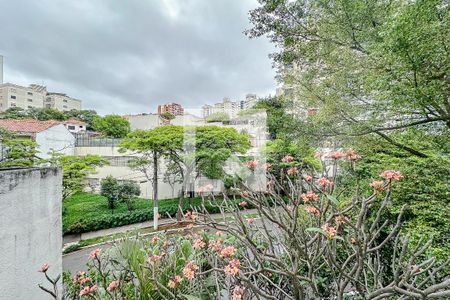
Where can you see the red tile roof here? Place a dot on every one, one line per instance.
(74, 121)
(28, 126)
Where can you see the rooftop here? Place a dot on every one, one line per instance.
(28, 126)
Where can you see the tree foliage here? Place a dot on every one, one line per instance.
(16, 151)
(369, 66)
(75, 170)
(113, 126)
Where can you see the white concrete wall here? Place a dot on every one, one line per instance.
(56, 138)
(30, 230)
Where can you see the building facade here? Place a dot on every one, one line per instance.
(50, 136)
(34, 96)
(172, 108)
(30, 230)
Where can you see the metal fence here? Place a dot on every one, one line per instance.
(87, 141)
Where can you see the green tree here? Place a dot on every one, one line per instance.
(128, 191)
(14, 113)
(44, 114)
(75, 170)
(218, 117)
(113, 126)
(151, 145)
(16, 151)
(109, 189)
(85, 115)
(370, 67)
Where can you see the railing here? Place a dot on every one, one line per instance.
(86, 141)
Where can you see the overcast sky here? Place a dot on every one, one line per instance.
(129, 56)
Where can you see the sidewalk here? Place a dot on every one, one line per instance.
(75, 238)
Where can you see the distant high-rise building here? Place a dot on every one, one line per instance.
(173, 108)
(207, 110)
(1, 69)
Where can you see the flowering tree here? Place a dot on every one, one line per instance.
(303, 240)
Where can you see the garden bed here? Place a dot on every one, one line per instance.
(85, 212)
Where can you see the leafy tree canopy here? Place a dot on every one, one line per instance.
(370, 67)
(75, 170)
(113, 126)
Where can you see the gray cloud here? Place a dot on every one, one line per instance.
(128, 56)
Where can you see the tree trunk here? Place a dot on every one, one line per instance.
(155, 190)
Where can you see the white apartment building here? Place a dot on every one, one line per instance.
(34, 96)
(12, 95)
(61, 102)
(231, 108)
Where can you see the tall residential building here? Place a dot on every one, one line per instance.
(173, 108)
(34, 96)
(207, 110)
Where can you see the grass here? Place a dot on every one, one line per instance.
(86, 206)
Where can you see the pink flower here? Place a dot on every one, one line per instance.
(191, 216)
(198, 244)
(113, 285)
(228, 251)
(251, 164)
(238, 293)
(216, 245)
(88, 290)
(243, 204)
(44, 268)
(352, 155)
(244, 194)
(233, 267)
(95, 253)
(341, 220)
(189, 270)
(155, 239)
(287, 159)
(392, 175)
(308, 178)
(84, 281)
(310, 196)
(154, 258)
(329, 231)
(292, 171)
(174, 282)
(250, 221)
(377, 185)
(318, 155)
(267, 166)
(336, 154)
(324, 182)
(190, 226)
(313, 210)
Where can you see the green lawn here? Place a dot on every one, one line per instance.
(85, 207)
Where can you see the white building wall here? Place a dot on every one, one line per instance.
(30, 230)
(56, 138)
(143, 122)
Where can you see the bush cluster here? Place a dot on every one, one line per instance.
(131, 217)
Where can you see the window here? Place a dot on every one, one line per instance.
(65, 100)
(30, 93)
(71, 127)
(13, 104)
(30, 100)
(64, 106)
(30, 106)
(81, 126)
(13, 97)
